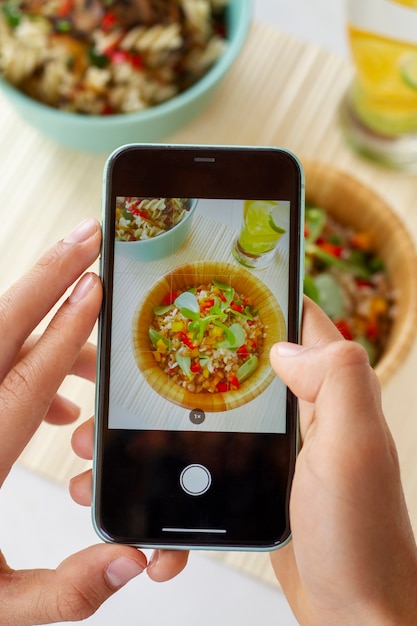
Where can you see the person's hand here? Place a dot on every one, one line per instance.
(352, 558)
(31, 371)
(163, 564)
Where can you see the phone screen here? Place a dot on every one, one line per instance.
(195, 429)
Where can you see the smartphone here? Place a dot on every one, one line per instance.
(202, 266)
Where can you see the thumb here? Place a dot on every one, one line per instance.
(305, 369)
(72, 592)
(330, 380)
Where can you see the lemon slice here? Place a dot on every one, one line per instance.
(261, 217)
(261, 231)
(408, 70)
(407, 3)
(275, 227)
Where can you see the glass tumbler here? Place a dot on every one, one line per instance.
(379, 110)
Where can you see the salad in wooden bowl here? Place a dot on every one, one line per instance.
(201, 337)
(360, 265)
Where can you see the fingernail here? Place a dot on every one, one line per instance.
(82, 232)
(121, 570)
(286, 349)
(82, 288)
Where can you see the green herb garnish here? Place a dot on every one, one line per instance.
(247, 368)
(155, 337)
(12, 14)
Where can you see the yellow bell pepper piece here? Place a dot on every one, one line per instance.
(161, 346)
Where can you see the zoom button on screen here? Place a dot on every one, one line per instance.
(197, 416)
(195, 479)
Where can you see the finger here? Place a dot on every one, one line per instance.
(336, 379)
(81, 488)
(62, 411)
(84, 365)
(74, 591)
(28, 389)
(317, 330)
(30, 299)
(308, 370)
(82, 440)
(165, 564)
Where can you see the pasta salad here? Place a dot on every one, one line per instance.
(108, 56)
(138, 219)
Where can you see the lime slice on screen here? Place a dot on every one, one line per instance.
(408, 70)
(263, 219)
(275, 227)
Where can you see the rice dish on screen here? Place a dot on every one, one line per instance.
(208, 338)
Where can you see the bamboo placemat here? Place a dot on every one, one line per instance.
(281, 91)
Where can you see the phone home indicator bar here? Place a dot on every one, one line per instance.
(194, 530)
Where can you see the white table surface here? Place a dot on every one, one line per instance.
(40, 525)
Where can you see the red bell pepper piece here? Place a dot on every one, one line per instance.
(344, 329)
(372, 329)
(108, 21)
(170, 297)
(206, 304)
(233, 380)
(65, 8)
(182, 336)
(243, 351)
(331, 248)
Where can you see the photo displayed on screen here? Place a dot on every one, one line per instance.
(200, 295)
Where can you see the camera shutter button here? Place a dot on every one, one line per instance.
(195, 479)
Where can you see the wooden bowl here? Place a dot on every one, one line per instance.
(194, 274)
(352, 203)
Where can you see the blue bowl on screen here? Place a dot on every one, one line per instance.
(161, 246)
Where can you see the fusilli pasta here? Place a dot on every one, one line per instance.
(93, 57)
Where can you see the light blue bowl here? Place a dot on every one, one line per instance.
(160, 246)
(95, 133)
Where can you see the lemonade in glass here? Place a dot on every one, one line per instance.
(379, 113)
(264, 223)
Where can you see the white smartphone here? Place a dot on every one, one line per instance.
(202, 266)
